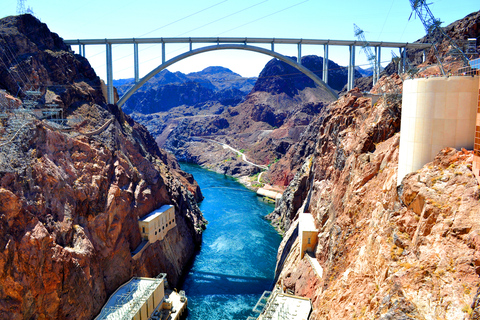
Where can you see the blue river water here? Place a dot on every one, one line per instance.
(236, 262)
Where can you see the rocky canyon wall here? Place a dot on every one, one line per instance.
(410, 253)
(70, 201)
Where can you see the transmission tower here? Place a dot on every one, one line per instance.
(21, 7)
(432, 25)
(368, 52)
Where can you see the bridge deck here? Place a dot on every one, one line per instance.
(383, 44)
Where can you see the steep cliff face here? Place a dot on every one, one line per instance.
(70, 201)
(410, 253)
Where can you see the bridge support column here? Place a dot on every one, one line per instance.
(299, 59)
(325, 63)
(163, 52)
(273, 47)
(424, 56)
(109, 74)
(374, 75)
(135, 62)
(404, 60)
(400, 62)
(81, 50)
(351, 68)
(379, 63)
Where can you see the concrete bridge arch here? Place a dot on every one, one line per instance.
(190, 53)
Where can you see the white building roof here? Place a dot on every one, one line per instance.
(306, 222)
(285, 306)
(152, 215)
(129, 298)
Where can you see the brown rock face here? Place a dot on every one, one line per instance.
(410, 254)
(69, 203)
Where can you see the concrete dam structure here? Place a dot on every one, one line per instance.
(437, 113)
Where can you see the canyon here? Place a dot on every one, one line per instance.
(70, 199)
(388, 249)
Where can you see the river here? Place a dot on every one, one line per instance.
(236, 262)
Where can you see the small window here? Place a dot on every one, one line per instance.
(143, 229)
(156, 233)
(163, 228)
(308, 240)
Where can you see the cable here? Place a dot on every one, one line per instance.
(191, 15)
(14, 58)
(227, 16)
(386, 18)
(264, 17)
(166, 25)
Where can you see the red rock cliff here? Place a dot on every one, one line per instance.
(385, 254)
(69, 201)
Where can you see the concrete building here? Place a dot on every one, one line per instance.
(438, 112)
(279, 305)
(137, 299)
(155, 225)
(308, 233)
(143, 299)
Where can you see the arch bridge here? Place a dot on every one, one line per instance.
(250, 44)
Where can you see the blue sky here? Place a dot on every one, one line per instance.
(382, 20)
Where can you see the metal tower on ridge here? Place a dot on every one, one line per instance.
(431, 24)
(372, 58)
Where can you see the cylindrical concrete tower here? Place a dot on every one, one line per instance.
(436, 113)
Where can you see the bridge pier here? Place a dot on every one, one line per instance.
(379, 64)
(325, 63)
(351, 68)
(110, 98)
(81, 50)
(135, 62)
(299, 59)
(163, 52)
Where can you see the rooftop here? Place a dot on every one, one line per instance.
(306, 222)
(280, 305)
(129, 298)
(152, 215)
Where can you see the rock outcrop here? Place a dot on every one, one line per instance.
(69, 202)
(385, 254)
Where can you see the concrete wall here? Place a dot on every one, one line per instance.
(307, 230)
(305, 246)
(476, 156)
(436, 113)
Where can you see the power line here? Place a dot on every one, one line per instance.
(168, 24)
(190, 15)
(227, 16)
(268, 15)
